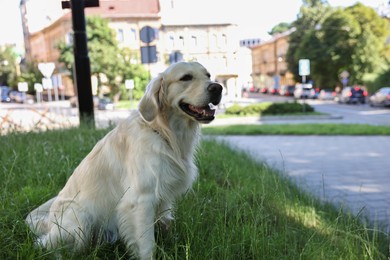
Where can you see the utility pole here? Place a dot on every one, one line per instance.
(82, 64)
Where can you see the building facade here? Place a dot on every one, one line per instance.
(215, 45)
(269, 66)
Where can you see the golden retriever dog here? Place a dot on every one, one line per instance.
(132, 177)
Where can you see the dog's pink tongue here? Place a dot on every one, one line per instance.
(204, 111)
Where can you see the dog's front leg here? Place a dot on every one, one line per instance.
(136, 225)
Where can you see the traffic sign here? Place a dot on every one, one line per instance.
(129, 83)
(304, 67)
(46, 69)
(147, 34)
(23, 86)
(148, 54)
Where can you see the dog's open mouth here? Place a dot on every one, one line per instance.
(204, 114)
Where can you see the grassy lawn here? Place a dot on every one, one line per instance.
(239, 208)
(126, 104)
(298, 129)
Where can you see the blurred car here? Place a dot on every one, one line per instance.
(273, 91)
(20, 97)
(380, 98)
(314, 93)
(326, 94)
(105, 104)
(264, 90)
(16, 96)
(302, 91)
(4, 90)
(353, 95)
(254, 89)
(287, 91)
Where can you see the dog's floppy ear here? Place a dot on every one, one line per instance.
(150, 102)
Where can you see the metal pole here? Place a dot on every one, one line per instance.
(82, 64)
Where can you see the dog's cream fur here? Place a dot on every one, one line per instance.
(133, 176)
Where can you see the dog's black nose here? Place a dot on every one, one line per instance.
(215, 88)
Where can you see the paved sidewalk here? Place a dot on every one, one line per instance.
(351, 171)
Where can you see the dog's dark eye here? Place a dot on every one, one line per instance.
(208, 75)
(186, 77)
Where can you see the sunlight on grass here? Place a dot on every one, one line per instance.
(297, 129)
(238, 208)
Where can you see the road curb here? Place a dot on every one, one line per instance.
(300, 117)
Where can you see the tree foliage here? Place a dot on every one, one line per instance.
(13, 70)
(279, 28)
(110, 64)
(7, 66)
(336, 40)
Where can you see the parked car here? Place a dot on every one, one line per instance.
(105, 104)
(273, 91)
(254, 89)
(302, 91)
(314, 93)
(4, 90)
(380, 98)
(353, 95)
(287, 91)
(16, 96)
(264, 90)
(327, 94)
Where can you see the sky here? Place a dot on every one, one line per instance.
(255, 17)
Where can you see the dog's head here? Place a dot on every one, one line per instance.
(184, 88)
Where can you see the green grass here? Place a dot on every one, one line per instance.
(126, 104)
(297, 129)
(239, 208)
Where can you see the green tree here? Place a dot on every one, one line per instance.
(8, 71)
(107, 60)
(131, 69)
(279, 28)
(350, 39)
(312, 14)
(30, 74)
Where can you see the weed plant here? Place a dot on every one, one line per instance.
(238, 208)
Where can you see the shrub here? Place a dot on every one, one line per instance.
(253, 109)
(287, 108)
(268, 108)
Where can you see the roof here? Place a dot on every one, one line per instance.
(126, 8)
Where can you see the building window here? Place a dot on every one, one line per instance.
(214, 41)
(171, 42)
(223, 40)
(194, 41)
(156, 34)
(120, 35)
(69, 38)
(181, 42)
(133, 36)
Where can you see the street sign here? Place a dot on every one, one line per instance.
(129, 83)
(304, 67)
(344, 74)
(38, 87)
(147, 34)
(148, 54)
(46, 69)
(46, 83)
(23, 86)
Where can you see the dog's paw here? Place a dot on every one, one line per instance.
(166, 220)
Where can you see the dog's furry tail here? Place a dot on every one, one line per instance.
(37, 219)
